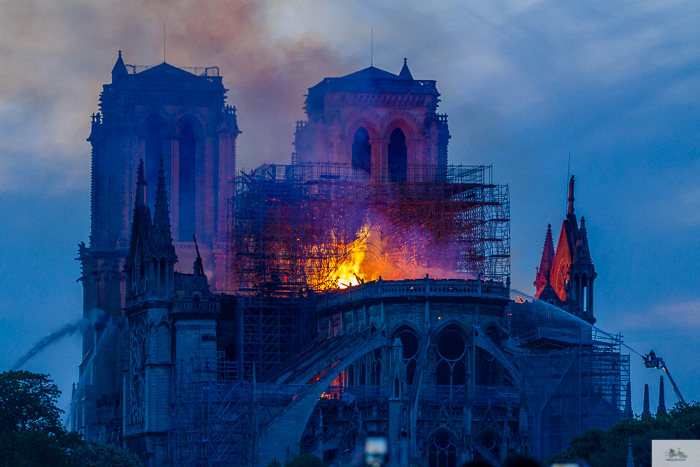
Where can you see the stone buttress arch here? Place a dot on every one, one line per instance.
(284, 432)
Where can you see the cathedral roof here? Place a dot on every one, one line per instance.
(166, 69)
(375, 80)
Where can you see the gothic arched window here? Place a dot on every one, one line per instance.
(398, 156)
(487, 368)
(451, 369)
(442, 451)
(410, 344)
(361, 151)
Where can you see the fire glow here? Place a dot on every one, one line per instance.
(373, 255)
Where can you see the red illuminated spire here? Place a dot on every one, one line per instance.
(545, 269)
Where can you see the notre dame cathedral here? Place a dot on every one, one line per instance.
(363, 288)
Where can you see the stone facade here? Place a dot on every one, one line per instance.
(447, 370)
(180, 115)
(381, 123)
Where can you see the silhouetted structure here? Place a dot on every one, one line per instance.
(369, 286)
(662, 397)
(146, 112)
(645, 411)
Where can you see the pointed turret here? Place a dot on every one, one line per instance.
(545, 269)
(582, 253)
(119, 70)
(140, 186)
(662, 397)
(140, 241)
(646, 412)
(161, 214)
(162, 248)
(405, 72)
(628, 402)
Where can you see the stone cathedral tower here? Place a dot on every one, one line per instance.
(180, 114)
(383, 124)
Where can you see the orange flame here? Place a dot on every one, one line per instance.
(365, 259)
(372, 255)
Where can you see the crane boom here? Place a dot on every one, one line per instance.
(652, 361)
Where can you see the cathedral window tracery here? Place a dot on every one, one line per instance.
(442, 451)
(452, 353)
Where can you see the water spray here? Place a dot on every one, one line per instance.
(65, 331)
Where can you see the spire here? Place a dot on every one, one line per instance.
(405, 72)
(140, 186)
(646, 412)
(628, 402)
(161, 215)
(582, 252)
(198, 263)
(662, 398)
(119, 68)
(570, 211)
(545, 269)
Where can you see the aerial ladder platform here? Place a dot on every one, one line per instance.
(652, 361)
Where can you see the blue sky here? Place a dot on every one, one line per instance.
(616, 83)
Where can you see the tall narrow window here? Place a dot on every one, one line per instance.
(441, 451)
(410, 344)
(362, 151)
(398, 156)
(187, 184)
(452, 350)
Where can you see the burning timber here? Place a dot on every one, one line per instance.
(325, 226)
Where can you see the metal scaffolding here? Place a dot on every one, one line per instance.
(213, 423)
(580, 385)
(291, 224)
